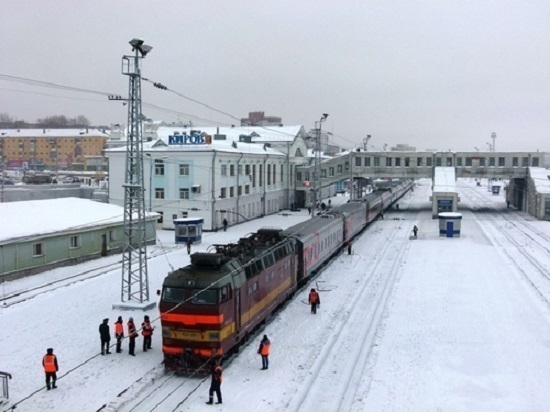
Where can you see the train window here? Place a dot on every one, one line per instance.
(224, 294)
(205, 297)
(259, 266)
(173, 294)
(268, 260)
(248, 270)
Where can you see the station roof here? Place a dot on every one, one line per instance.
(444, 179)
(35, 218)
(541, 179)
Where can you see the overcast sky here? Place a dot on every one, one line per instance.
(432, 74)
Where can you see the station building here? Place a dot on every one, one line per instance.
(232, 173)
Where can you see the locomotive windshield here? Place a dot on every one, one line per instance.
(194, 296)
(204, 297)
(173, 294)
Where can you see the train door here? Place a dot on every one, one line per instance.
(237, 293)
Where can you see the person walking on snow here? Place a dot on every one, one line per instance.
(105, 336)
(225, 225)
(349, 247)
(314, 300)
(189, 243)
(415, 230)
(49, 362)
(119, 334)
(216, 383)
(264, 350)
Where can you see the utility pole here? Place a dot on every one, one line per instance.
(318, 159)
(135, 280)
(366, 143)
(493, 136)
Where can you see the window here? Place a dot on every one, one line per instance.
(268, 174)
(469, 161)
(429, 162)
(254, 176)
(535, 162)
(173, 294)
(239, 190)
(367, 161)
(501, 162)
(438, 161)
(184, 193)
(482, 161)
(231, 170)
(204, 297)
(459, 161)
(159, 167)
(407, 161)
(247, 170)
(298, 176)
(515, 161)
(247, 189)
(261, 183)
(358, 161)
(397, 162)
(376, 161)
(282, 173)
(524, 161)
(331, 171)
(224, 170)
(75, 242)
(184, 170)
(159, 193)
(112, 235)
(340, 169)
(231, 191)
(346, 166)
(38, 249)
(388, 161)
(492, 161)
(223, 193)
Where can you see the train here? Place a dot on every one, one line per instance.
(211, 307)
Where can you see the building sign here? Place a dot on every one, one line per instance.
(192, 139)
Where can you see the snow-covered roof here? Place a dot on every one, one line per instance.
(444, 179)
(217, 145)
(86, 132)
(42, 217)
(541, 179)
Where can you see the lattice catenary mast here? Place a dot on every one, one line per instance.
(135, 280)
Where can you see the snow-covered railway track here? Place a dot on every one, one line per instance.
(349, 343)
(525, 256)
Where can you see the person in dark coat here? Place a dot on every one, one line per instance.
(215, 385)
(349, 247)
(49, 362)
(314, 300)
(132, 335)
(415, 230)
(105, 336)
(224, 225)
(264, 350)
(189, 243)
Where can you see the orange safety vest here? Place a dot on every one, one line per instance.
(266, 349)
(49, 363)
(146, 329)
(313, 297)
(119, 330)
(218, 374)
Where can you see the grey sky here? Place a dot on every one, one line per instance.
(432, 74)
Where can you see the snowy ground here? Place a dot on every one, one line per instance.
(405, 324)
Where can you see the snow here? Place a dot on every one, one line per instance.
(432, 323)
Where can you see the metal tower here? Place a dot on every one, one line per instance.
(135, 280)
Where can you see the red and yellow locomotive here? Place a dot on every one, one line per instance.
(210, 307)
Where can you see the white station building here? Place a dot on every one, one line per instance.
(233, 173)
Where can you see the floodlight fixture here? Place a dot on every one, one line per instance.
(138, 44)
(325, 115)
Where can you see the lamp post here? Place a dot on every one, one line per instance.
(318, 159)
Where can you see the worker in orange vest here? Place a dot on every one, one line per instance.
(314, 300)
(264, 350)
(147, 332)
(132, 334)
(49, 362)
(119, 334)
(216, 383)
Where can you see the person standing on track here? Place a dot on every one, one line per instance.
(147, 332)
(264, 350)
(215, 385)
(132, 335)
(49, 362)
(119, 334)
(105, 336)
(314, 300)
